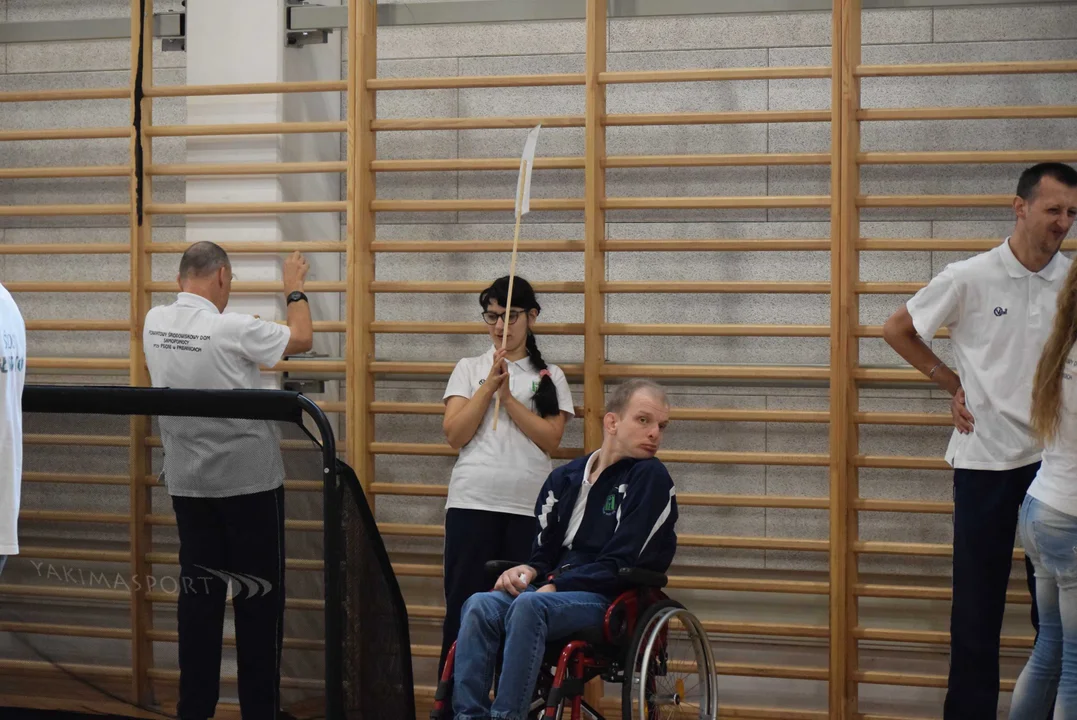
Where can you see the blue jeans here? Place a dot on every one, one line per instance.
(1050, 541)
(526, 622)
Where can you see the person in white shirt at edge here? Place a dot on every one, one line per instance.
(12, 380)
(490, 508)
(1048, 521)
(225, 477)
(998, 306)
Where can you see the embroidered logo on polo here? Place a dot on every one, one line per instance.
(1000, 311)
(534, 386)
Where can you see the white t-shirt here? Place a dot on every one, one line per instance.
(191, 345)
(12, 380)
(1000, 315)
(1056, 481)
(578, 510)
(501, 471)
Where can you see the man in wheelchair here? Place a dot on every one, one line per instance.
(599, 516)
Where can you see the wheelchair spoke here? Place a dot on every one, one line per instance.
(685, 711)
(688, 689)
(680, 690)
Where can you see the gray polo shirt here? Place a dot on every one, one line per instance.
(190, 344)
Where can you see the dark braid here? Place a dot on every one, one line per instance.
(545, 398)
(523, 297)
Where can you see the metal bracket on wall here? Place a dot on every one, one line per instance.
(295, 37)
(309, 382)
(177, 41)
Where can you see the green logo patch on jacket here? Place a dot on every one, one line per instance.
(611, 504)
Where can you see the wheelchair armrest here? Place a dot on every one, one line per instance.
(494, 568)
(643, 578)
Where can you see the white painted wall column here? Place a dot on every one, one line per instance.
(239, 41)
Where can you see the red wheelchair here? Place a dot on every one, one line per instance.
(649, 644)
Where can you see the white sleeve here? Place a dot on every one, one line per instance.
(459, 382)
(564, 394)
(936, 305)
(260, 341)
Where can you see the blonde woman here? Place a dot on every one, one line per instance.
(1048, 516)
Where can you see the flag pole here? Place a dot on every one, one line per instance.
(523, 206)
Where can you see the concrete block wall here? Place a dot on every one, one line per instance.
(77, 65)
(890, 36)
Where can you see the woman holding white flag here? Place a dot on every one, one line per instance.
(491, 500)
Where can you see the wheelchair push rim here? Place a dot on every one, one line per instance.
(672, 672)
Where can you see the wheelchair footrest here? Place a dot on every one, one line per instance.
(570, 688)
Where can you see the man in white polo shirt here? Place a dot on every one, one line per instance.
(226, 479)
(999, 307)
(12, 379)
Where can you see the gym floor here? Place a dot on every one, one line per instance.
(10, 713)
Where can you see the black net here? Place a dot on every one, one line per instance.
(213, 462)
(372, 615)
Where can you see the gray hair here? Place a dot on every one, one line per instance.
(202, 259)
(624, 392)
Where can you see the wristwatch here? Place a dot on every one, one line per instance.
(296, 297)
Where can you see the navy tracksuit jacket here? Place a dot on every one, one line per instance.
(628, 522)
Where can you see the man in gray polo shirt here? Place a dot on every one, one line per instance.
(226, 479)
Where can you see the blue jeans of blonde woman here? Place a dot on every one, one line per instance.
(1050, 676)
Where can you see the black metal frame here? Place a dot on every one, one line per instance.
(275, 405)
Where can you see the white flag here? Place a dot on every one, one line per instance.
(523, 195)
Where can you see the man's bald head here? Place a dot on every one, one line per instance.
(202, 260)
(205, 270)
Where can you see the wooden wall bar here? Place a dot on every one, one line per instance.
(846, 632)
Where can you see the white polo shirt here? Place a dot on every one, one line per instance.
(190, 344)
(12, 381)
(999, 315)
(1054, 483)
(501, 471)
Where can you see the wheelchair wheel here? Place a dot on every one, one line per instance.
(669, 669)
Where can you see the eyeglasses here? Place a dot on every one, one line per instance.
(491, 317)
